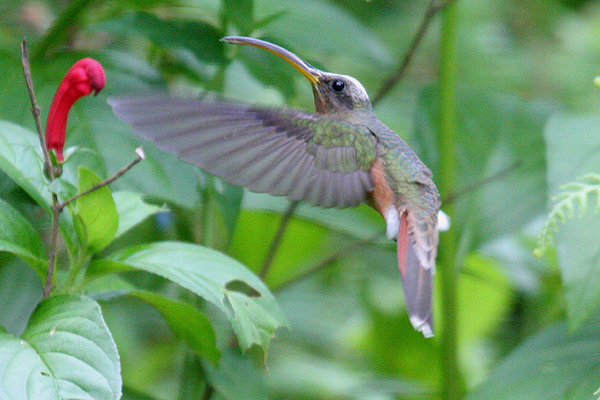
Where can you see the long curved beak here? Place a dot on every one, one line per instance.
(310, 72)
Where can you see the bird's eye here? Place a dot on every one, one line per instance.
(338, 85)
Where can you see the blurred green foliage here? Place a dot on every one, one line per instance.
(525, 90)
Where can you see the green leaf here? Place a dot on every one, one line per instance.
(20, 292)
(66, 351)
(21, 159)
(573, 195)
(578, 240)
(97, 211)
(186, 322)
(552, 365)
(245, 300)
(18, 237)
(132, 210)
(578, 250)
(581, 149)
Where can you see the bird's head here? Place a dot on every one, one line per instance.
(334, 93)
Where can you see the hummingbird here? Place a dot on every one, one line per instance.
(341, 155)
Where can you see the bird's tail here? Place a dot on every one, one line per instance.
(417, 280)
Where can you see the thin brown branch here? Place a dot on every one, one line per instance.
(35, 109)
(434, 7)
(454, 196)
(329, 259)
(283, 224)
(57, 207)
(139, 157)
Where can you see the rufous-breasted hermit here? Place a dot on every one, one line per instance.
(339, 156)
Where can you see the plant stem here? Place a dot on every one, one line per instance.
(452, 385)
(283, 224)
(57, 207)
(35, 109)
(396, 76)
(326, 261)
(53, 244)
(452, 196)
(49, 166)
(117, 175)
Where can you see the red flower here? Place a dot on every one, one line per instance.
(84, 77)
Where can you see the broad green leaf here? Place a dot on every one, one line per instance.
(245, 300)
(570, 159)
(186, 322)
(20, 292)
(21, 159)
(551, 365)
(578, 239)
(66, 351)
(578, 250)
(132, 210)
(18, 237)
(97, 211)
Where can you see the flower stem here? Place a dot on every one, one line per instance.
(285, 219)
(140, 156)
(35, 109)
(57, 207)
(49, 166)
(392, 81)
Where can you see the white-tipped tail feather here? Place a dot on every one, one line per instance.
(422, 326)
(392, 220)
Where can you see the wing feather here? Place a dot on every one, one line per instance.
(281, 151)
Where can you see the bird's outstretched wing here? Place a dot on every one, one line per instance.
(282, 151)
